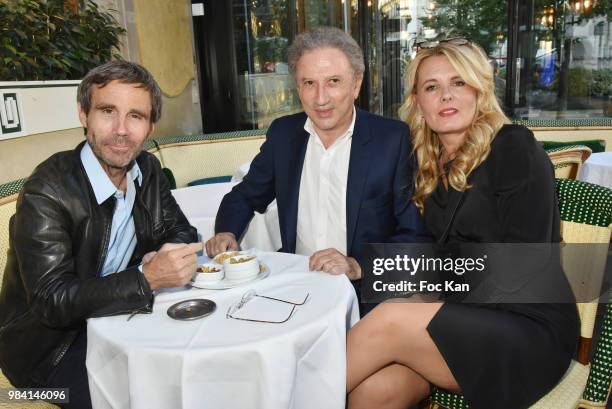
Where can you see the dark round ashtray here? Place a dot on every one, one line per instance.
(192, 309)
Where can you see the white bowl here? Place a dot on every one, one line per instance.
(210, 276)
(241, 271)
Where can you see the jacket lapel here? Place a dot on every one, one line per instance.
(297, 153)
(359, 165)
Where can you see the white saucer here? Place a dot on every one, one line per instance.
(226, 284)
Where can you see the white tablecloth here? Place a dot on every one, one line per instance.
(241, 172)
(597, 169)
(153, 361)
(200, 205)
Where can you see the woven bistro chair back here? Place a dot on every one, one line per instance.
(568, 160)
(8, 200)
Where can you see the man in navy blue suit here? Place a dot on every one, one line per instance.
(341, 177)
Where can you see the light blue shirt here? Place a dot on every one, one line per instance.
(123, 232)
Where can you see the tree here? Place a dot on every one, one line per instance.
(479, 20)
(603, 8)
(48, 40)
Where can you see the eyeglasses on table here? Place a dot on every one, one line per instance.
(249, 295)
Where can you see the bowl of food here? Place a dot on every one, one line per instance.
(209, 272)
(221, 257)
(241, 267)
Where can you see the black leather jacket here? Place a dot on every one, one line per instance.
(58, 243)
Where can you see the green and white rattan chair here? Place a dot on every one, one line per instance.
(586, 217)
(568, 160)
(8, 199)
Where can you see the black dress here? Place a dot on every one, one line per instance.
(504, 356)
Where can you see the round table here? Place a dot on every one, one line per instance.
(153, 361)
(597, 169)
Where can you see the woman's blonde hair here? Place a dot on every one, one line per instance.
(472, 65)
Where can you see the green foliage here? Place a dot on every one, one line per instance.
(583, 82)
(602, 82)
(603, 8)
(480, 20)
(273, 49)
(579, 82)
(44, 40)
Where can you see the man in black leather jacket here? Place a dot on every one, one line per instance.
(96, 231)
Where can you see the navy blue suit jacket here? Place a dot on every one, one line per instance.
(379, 208)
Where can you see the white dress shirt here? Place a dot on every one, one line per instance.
(321, 221)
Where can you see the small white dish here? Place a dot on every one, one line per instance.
(209, 272)
(227, 284)
(241, 268)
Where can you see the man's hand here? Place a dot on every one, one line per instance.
(221, 242)
(333, 262)
(172, 266)
(147, 257)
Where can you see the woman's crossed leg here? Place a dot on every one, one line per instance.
(392, 360)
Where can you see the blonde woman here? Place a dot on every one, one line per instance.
(479, 179)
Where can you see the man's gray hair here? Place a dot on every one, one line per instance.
(326, 37)
(125, 72)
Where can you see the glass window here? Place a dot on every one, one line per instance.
(404, 22)
(263, 30)
(552, 58)
(369, 34)
(313, 13)
(567, 65)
